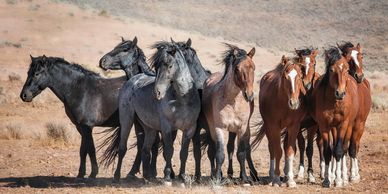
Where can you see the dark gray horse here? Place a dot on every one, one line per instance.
(166, 103)
(89, 100)
(128, 57)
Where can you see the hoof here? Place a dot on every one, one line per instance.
(355, 179)
(92, 176)
(300, 177)
(291, 184)
(167, 183)
(246, 185)
(326, 183)
(311, 179)
(339, 183)
(276, 182)
(131, 176)
(182, 185)
(346, 182)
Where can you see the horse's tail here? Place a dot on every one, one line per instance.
(111, 142)
(259, 135)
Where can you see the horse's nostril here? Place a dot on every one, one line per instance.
(24, 96)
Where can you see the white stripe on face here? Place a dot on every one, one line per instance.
(292, 75)
(307, 62)
(341, 65)
(354, 56)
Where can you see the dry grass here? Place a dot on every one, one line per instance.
(103, 13)
(57, 132)
(14, 77)
(11, 131)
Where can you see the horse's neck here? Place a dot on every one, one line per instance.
(184, 83)
(199, 74)
(64, 80)
(231, 90)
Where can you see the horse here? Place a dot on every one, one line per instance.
(282, 106)
(354, 57)
(307, 58)
(227, 103)
(130, 58)
(200, 75)
(89, 100)
(163, 103)
(335, 103)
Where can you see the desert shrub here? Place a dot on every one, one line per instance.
(57, 132)
(14, 77)
(380, 102)
(11, 132)
(103, 13)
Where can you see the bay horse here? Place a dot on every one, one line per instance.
(163, 103)
(354, 56)
(335, 108)
(282, 107)
(227, 103)
(89, 100)
(130, 58)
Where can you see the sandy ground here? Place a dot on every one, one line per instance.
(34, 164)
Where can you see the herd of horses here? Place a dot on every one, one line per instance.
(176, 92)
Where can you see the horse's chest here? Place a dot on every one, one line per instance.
(230, 119)
(333, 117)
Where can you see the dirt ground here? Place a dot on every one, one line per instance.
(30, 162)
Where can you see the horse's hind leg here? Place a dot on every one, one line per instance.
(154, 157)
(146, 155)
(211, 153)
(241, 156)
(197, 153)
(186, 137)
(82, 153)
(273, 136)
(91, 151)
(310, 151)
(301, 147)
(230, 150)
(140, 141)
(252, 169)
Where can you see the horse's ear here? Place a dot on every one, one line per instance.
(252, 52)
(285, 60)
(32, 58)
(235, 52)
(188, 43)
(172, 41)
(122, 39)
(134, 41)
(358, 47)
(314, 53)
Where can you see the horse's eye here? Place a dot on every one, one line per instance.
(36, 74)
(170, 66)
(331, 69)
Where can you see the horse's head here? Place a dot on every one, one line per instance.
(354, 57)
(293, 85)
(306, 57)
(244, 74)
(167, 61)
(336, 74)
(37, 78)
(123, 56)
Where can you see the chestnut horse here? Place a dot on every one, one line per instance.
(282, 106)
(353, 55)
(335, 106)
(228, 105)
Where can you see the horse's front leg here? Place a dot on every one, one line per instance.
(197, 153)
(339, 152)
(292, 132)
(327, 152)
(140, 141)
(230, 150)
(92, 152)
(186, 137)
(243, 144)
(301, 147)
(146, 155)
(310, 151)
(82, 153)
(167, 152)
(220, 155)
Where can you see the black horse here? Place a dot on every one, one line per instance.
(89, 100)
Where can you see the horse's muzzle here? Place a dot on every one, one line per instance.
(293, 104)
(359, 78)
(339, 95)
(26, 96)
(248, 98)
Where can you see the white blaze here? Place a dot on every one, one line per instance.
(292, 75)
(341, 65)
(354, 56)
(307, 62)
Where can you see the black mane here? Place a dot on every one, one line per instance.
(49, 61)
(230, 58)
(345, 46)
(158, 57)
(304, 51)
(332, 55)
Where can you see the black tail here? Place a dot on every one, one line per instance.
(111, 142)
(259, 135)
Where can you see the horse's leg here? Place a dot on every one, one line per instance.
(173, 134)
(353, 151)
(290, 153)
(327, 155)
(230, 150)
(211, 153)
(127, 117)
(197, 153)
(146, 155)
(339, 151)
(273, 136)
(252, 169)
(345, 176)
(301, 147)
(243, 144)
(140, 141)
(167, 152)
(321, 154)
(154, 157)
(186, 137)
(310, 151)
(220, 155)
(91, 151)
(82, 153)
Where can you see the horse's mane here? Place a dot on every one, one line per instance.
(305, 51)
(157, 58)
(344, 46)
(230, 58)
(53, 60)
(191, 56)
(332, 55)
